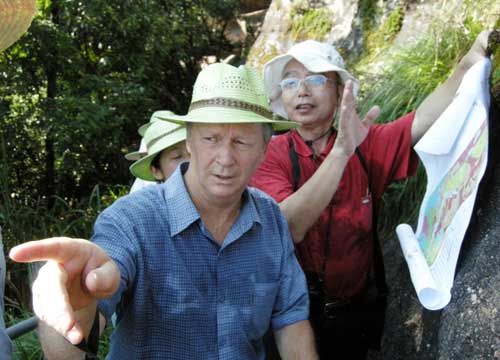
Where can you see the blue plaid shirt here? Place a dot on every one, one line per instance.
(182, 296)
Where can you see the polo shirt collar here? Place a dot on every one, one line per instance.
(182, 212)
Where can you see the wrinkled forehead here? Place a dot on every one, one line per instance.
(295, 68)
(231, 129)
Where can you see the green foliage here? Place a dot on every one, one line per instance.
(307, 23)
(76, 87)
(368, 11)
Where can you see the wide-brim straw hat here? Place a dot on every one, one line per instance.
(155, 117)
(224, 94)
(317, 57)
(143, 151)
(160, 135)
(15, 19)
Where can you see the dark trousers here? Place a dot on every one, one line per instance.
(342, 330)
(332, 342)
(339, 338)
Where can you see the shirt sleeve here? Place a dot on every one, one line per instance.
(389, 153)
(274, 174)
(113, 236)
(292, 303)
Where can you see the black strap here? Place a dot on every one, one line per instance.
(91, 346)
(378, 260)
(295, 163)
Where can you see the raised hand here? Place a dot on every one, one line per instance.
(76, 275)
(352, 130)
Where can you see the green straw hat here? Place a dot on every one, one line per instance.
(139, 154)
(155, 117)
(224, 94)
(15, 19)
(159, 136)
(135, 155)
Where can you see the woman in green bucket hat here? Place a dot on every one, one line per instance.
(166, 148)
(142, 152)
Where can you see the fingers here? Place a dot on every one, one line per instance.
(348, 102)
(103, 281)
(371, 115)
(51, 302)
(58, 249)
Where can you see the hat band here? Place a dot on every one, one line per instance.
(233, 104)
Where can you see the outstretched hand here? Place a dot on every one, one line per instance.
(76, 275)
(352, 130)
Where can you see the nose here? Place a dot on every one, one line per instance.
(303, 90)
(225, 154)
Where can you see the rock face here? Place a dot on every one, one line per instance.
(469, 327)
(330, 22)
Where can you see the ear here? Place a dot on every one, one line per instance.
(157, 173)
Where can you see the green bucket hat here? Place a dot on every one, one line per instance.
(136, 155)
(139, 154)
(157, 115)
(224, 94)
(15, 19)
(159, 136)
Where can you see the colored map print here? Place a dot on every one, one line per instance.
(450, 193)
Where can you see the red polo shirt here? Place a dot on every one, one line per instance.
(389, 157)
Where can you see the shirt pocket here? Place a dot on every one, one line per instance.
(264, 298)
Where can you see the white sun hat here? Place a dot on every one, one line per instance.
(316, 57)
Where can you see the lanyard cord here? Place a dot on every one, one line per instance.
(311, 142)
(326, 245)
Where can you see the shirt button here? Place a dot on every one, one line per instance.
(222, 298)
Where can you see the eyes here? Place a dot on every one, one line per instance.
(311, 81)
(238, 142)
(177, 155)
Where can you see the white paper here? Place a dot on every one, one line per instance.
(454, 153)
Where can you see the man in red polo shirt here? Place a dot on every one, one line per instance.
(328, 183)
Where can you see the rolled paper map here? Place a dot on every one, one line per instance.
(15, 18)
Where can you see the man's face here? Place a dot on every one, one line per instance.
(169, 159)
(223, 159)
(310, 105)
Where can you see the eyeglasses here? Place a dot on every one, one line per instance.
(317, 81)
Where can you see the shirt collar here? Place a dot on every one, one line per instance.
(180, 208)
(182, 212)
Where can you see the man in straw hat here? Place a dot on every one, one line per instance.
(196, 268)
(329, 184)
(15, 18)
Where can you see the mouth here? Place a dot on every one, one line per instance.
(223, 177)
(304, 107)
